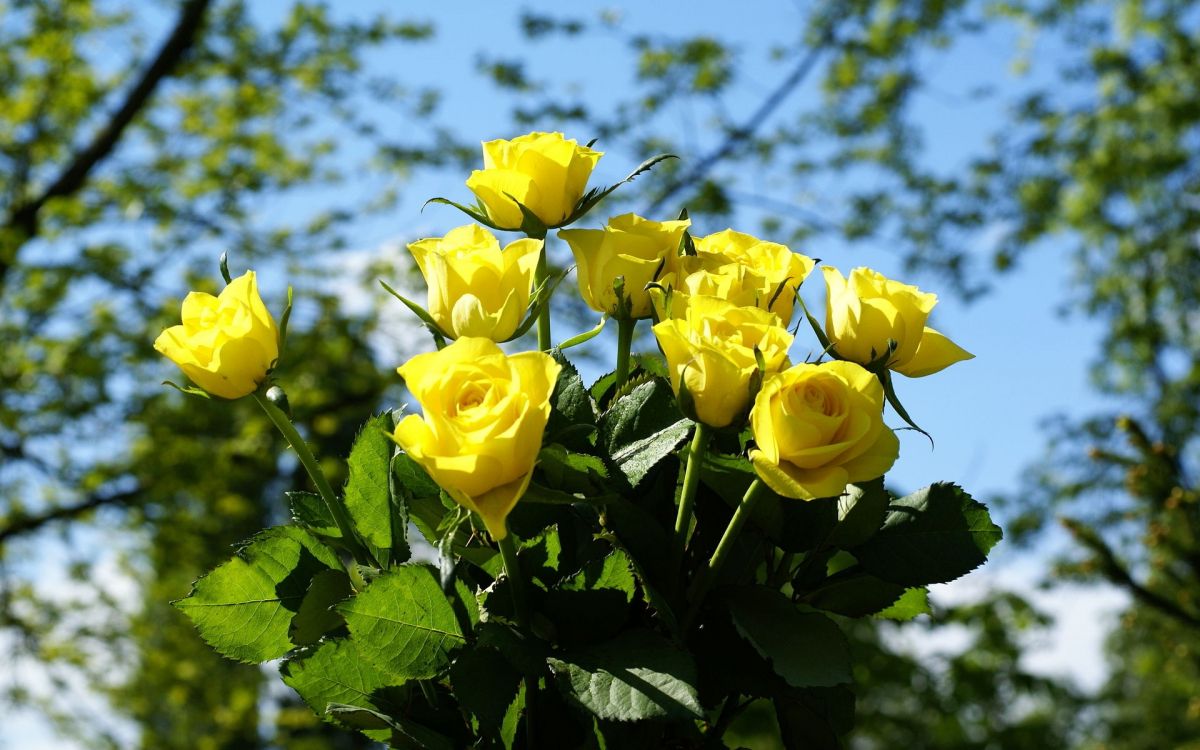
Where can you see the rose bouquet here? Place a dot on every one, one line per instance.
(627, 563)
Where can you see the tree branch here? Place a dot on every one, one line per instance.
(741, 134)
(1118, 574)
(28, 524)
(22, 221)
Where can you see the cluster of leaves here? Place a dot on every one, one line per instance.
(419, 655)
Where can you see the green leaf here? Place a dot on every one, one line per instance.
(315, 617)
(860, 514)
(244, 608)
(644, 410)
(637, 459)
(572, 411)
(406, 734)
(641, 428)
(404, 624)
(571, 472)
(310, 511)
(637, 675)
(512, 719)
(934, 535)
(806, 649)
(855, 595)
(333, 671)
(593, 604)
(366, 492)
(912, 603)
(485, 684)
(641, 367)
(815, 718)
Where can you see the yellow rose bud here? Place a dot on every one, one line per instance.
(629, 247)
(819, 428)
(710, 352)
(544, 171)
(227, 343)
(475, 289)
(749, 270)
(863, 312)
(484, 414)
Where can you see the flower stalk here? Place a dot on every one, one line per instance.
(708, 574)
(687, 496)
(309, 462)
(512, 569)
(624, 342)
(540, 275)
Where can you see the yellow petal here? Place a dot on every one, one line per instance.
(935, 352)
(800, 484)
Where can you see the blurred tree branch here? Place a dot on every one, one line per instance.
(22, 221)
(24, 524)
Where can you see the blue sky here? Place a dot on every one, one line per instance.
(984, 414)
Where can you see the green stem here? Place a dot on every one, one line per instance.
(512, 569)
(687, 496)
(540, 274)
(624, 341)
(309, 461)
(708, 574)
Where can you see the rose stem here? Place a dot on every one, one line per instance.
(624, 341)
(708, 574)
(687, 497)
(513, 570)
(540, 274)
(309, 461)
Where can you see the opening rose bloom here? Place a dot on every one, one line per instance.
(475, 289)
(228, 343)
(710, 351)
(544, 171)
(819, 428)
(863, 312)
(629, 247)
(746, 271)
(481, 431)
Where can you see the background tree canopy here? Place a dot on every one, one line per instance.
(140, 140)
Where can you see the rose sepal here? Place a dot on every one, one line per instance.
(439, 335)
(595, 195)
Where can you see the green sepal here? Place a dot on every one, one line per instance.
(223, 265)
(595, 195)
(190, 390)
(419, 311)
(585, 336)
(889, 392)
(531, 224)
(538, 300)
(478, 213)
(283, 326)
(826, 346)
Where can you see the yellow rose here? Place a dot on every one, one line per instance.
(865, 311)
(474, 288)
(819, 428)
(629, 247)
(227, 343)
(750, 270)
(544, 171)
(711, 276)
(710, 351)
(484, 414)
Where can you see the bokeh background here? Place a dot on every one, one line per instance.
(1035, 162)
